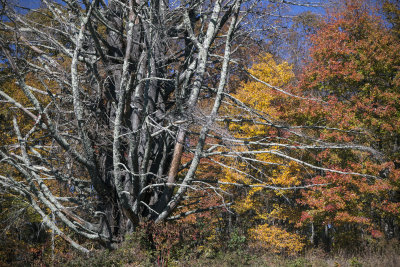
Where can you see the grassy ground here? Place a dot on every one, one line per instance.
(133, 253)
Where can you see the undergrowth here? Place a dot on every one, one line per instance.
(137, 250)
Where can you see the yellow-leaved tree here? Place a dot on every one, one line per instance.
(268, 209)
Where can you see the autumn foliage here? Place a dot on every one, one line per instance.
(354, 68)
(288, 194)
(349, 92)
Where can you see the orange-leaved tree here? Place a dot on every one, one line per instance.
(355, 67)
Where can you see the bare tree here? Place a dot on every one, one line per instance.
(113, 95)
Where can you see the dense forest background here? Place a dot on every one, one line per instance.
(146, 133)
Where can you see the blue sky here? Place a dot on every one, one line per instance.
(30, 3)
(295, 9)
